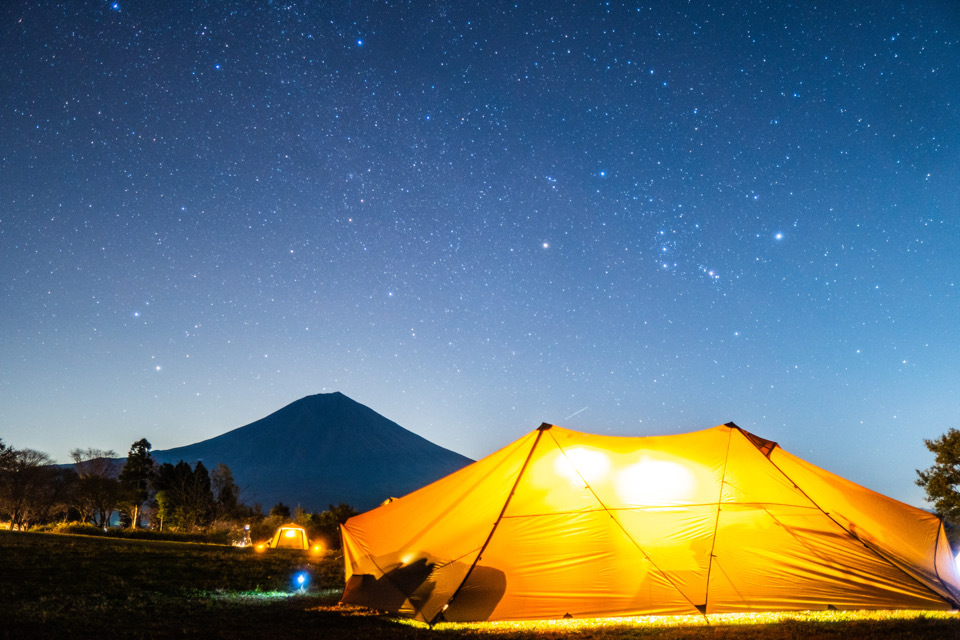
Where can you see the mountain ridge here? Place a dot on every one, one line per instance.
(320, 450)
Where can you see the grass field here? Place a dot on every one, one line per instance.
(62, 586)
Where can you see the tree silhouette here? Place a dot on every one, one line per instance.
(97, 490)
(135, 478)
(942, 480)
(184, 496)
(225, 491)
(28, 483)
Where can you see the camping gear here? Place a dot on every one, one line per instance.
(567, 524)
(290, 536)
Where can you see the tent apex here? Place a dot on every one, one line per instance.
(762, 444)
(544, 426)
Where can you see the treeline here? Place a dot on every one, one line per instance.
(179, 498)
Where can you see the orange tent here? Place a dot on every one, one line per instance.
(562, 523)
(289, 536)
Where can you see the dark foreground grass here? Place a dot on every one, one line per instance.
(62, 586)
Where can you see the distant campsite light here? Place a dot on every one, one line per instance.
(316, 549)
(289, 536)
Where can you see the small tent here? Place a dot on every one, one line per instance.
(290, 536)
(562, 523)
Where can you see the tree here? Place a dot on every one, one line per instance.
(942, 481)
(202, 502)
(6, 463)
(62, 493)
(98, 489)
(280, 511)
(162, 507)
(328, 523)
(6, 455)
(187, 499)
(135, 479)
(28, 486)
(169, 491)
(225, 492)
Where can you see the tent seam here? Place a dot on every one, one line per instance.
(716, 524)
(647, 507)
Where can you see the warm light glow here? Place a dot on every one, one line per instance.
(316, 549)
(581, 465)
(621, 627)
(261, 546)
(290, 533)
(655, 482)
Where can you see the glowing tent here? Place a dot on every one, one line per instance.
(289, 536)
(562, 523)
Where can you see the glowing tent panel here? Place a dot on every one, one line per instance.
(750, 478)
(678, 542)
(805, 562)
(638, 472)
(590, 568)
(912, 539)
(565, 523)
(408, 554)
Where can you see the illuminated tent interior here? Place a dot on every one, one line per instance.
(562, 523)
(290, 536)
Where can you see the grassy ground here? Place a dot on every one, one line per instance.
(61, 586)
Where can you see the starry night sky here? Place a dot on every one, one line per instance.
(626, 219)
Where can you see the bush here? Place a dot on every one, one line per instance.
(76, 528)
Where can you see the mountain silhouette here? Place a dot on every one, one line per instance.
(322, 450)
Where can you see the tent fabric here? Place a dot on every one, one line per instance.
(562, 523)
(290, 536)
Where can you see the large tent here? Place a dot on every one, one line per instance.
(562, 523)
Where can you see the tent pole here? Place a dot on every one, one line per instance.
(436, 618)
(716, 526)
